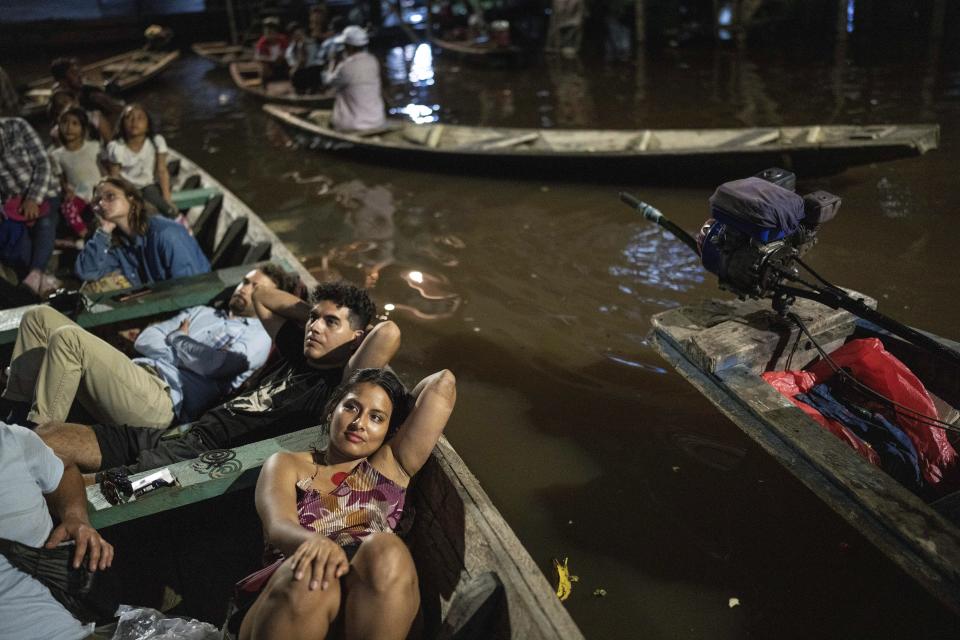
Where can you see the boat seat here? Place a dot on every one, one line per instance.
(872, 133)
(205, 227)
(191, 182)
(753, 138)
(389, 127)
(192, 197)
(229, 251)
(502, 142)
(257, 252)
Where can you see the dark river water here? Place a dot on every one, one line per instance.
(538, 295)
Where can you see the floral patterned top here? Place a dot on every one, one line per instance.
(364, 502)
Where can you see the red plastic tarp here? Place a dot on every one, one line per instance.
(875, 367)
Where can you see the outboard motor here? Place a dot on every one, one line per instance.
(758, 227)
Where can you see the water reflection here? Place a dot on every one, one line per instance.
(657, 259)
(574, 102)
(367, 251)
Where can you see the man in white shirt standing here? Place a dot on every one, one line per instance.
(29, 474)
(359, 102)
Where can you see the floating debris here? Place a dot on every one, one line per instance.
(733, 602)
(564, 579)
(600, 592)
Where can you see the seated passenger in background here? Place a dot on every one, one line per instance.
(34, 482)
(356, 78)
(330, 515)
(320, 344)
(188, 362)
(100, 128)
(139, 154)
(270, 50)
(69, 77)
(28, 195)
(143, 248)
(77, 166)
(305, 75)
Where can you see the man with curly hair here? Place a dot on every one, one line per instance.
(320, 343)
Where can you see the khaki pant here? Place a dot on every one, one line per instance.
(55, 360)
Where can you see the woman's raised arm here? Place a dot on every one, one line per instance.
(435, 396)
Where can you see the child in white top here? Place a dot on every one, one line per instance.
(76, 164)
(139, 155)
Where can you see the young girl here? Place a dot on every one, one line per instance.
(76, 164)
(142, 247)
(139, 154)
(331, 514)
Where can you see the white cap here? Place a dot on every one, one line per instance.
(354, 36)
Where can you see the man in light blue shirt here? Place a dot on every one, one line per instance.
(188, 364)
(34, 482)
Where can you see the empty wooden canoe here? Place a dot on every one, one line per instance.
(124, 71)
(681, 155)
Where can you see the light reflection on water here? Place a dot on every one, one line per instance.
(657, 259)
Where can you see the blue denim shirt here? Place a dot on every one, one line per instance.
(215, 357)
(166, 251)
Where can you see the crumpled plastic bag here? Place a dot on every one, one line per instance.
(138, 623)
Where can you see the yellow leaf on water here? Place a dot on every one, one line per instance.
(564, 579)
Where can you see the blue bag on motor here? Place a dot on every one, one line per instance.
(752, 221)
(763, 210)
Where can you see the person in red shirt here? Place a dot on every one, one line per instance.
(270, 49)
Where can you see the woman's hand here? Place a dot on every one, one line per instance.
(106, 225)
(319, 560)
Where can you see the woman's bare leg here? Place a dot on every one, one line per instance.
(381, 591)
(288, 609)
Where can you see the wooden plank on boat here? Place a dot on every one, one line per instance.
(721, 334)
(194, 485)
(509, 141)
(753, 138)
(164, 297)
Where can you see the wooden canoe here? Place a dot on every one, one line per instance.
(458, 538)
(125, 71)
(479, 49)
(248, 76)
(222, 53)
(721, 347)
(683, 155)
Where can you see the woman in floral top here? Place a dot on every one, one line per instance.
(331, 514)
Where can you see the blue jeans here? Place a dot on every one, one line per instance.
(35, 247)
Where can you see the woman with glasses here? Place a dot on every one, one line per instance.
(143, 248)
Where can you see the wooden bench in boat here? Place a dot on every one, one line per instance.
(194, 485)
(164, 297)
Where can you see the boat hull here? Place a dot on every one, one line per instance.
(568, 157)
